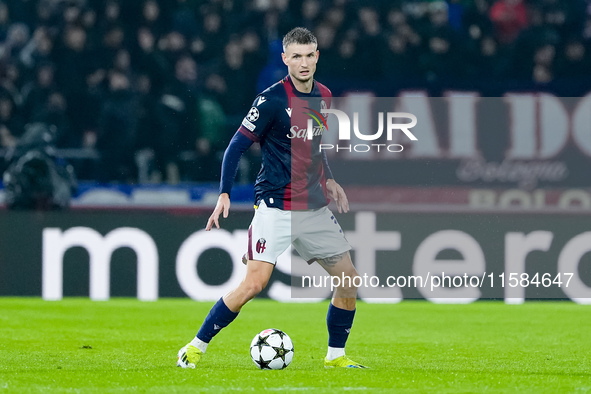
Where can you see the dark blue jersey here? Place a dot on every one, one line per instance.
(293, 171)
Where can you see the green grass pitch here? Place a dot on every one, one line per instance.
(124, 345)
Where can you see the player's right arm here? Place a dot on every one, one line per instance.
(223, 205)
(239, 144)
(254, 126)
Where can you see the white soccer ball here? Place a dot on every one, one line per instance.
(271, 349)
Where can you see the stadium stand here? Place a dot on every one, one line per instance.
(151, 91)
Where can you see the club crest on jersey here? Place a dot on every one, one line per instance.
(253, 115)
(261, 245)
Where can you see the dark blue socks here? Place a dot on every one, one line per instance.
(339, 322)
(219, 317)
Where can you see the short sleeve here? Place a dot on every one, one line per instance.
(259, 118)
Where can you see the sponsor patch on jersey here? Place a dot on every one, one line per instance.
(248, 125)
(253, 114)
(261, 100)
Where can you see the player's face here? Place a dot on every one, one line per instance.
(301, 60)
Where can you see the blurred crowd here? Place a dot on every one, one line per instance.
(167, 82)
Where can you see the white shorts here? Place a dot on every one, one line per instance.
(315, 234)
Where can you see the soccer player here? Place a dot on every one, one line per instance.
(291, 198)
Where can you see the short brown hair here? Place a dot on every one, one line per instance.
(299, 35)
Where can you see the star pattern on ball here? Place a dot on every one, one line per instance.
(271, 349)
(280, 352)
(263, 364)
(262, 342)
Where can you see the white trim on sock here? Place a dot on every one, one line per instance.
(335, 352)
(199, 344)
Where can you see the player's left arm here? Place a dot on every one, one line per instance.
(335, 191)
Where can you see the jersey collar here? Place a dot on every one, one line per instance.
(297, 92)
